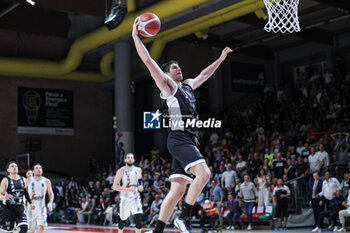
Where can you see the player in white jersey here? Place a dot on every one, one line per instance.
(38, 186)
(130, 201)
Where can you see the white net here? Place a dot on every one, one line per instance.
(283, 16)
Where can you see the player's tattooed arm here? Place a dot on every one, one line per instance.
(3, 187)
(116, 183)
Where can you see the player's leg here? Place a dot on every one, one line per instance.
(41, 221)
(177, 190)
(183, 150)
(202, 173)
(31, 221)
(41, 229)
(21, 219)
(136, 211)
(8, 220)
(179, 181)
(125, 210)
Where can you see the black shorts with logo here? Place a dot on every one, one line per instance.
(185, 154)
(12, 214)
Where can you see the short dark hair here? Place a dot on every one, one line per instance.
(166, 66)
(35, 164)
(9, 163)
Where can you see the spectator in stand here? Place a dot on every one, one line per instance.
(267, 171)
(341, 139)
(290, 169)
(234, 207)
(228, 177)
(300, 147)
(227, 191)
(314, 199)
(323, 155)
(72, 184)
(335, 205)
(260, 132)
(269, 155)
(283, 147)
(214, 137)
(278, 166)
(344, 185)
(80, 209)
(293, 154)
(158, 183)
(280, 201)
(144, 163)
(110, 178)
(249, 195)
(100, 210)
(145, 182)
(263, 181)
(254, 165)
(329, 186)
(91, 189)
(218, 175)
(238, 185)
(88, 211)
(98, 188)
(241, 166)
(154, 212)
(343, 214)
(306, 152)
(315, 161)
(217, 196)
(209, 210)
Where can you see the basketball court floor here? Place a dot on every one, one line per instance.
(110, 229)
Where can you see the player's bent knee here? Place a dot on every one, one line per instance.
(23, 228)
(138, 220)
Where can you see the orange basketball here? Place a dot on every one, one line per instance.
(149, 25)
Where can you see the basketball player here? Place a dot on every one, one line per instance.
(12, 189)
(38, 186)
(181, 141)
(130, 201)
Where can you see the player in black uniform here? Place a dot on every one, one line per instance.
(181, 106)
(12, 189)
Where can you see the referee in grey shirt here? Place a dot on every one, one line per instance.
(249, 195)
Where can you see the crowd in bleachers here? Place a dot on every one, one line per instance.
(260, 143)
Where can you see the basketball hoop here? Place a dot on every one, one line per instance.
(283, 16)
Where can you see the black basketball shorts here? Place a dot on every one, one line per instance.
(13, 214)
(185, 155)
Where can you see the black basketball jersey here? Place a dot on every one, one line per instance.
(16, 189)
(180, 110)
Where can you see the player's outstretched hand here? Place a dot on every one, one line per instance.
(140, 188)
(224, 53)
(135, 32)
(32, 206)
(49, 206)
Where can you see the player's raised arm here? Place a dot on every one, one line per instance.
(156, 72)
(209, 71)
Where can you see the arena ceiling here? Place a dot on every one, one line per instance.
(47, 30)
